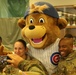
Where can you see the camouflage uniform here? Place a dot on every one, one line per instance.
(31, 66)
(67, 66)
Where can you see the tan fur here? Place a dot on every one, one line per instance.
(52, 26)
(21, 22)
(37, 8)
(62, 23)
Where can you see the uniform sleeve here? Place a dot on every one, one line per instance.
(61, 69)
(32, 67)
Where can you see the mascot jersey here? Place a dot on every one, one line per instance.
(48, 56)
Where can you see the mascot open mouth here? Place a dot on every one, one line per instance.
(38, 40)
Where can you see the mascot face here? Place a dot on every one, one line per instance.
(39, 28)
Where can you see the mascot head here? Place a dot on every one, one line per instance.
(41, 25)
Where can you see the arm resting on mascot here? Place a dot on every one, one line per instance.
(31, 68)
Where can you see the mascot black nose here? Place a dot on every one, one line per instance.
(31, 27)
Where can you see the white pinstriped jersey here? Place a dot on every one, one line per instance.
(47, 56)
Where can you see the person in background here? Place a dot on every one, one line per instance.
(68, 36)
(3, 49)
(67, 63)
(22, 60)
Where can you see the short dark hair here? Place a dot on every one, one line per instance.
(22, 41)
(68, 35)
(0, 38)
(67, 39)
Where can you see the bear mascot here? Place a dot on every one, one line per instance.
(41, 28)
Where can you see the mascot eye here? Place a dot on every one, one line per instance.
(41, 20)
(31, 20)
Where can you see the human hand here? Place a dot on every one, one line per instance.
(14, 59)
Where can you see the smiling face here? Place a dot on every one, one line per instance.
(20, 49)
(41, 25)
(40, 30)
(65, 46)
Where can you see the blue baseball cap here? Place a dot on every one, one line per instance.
(50, 11)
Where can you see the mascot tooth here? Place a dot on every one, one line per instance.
(41, 28)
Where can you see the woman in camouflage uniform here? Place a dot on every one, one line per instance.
(29, 66)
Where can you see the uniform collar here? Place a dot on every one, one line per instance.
(70, 56)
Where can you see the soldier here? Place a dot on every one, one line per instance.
(67, 63)
(22, 61)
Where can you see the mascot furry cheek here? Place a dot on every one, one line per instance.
(41, 27)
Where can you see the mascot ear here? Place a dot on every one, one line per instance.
(62, 23)
(21, 23)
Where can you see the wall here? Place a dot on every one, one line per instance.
(56, 2)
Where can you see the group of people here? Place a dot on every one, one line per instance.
(25, 62)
